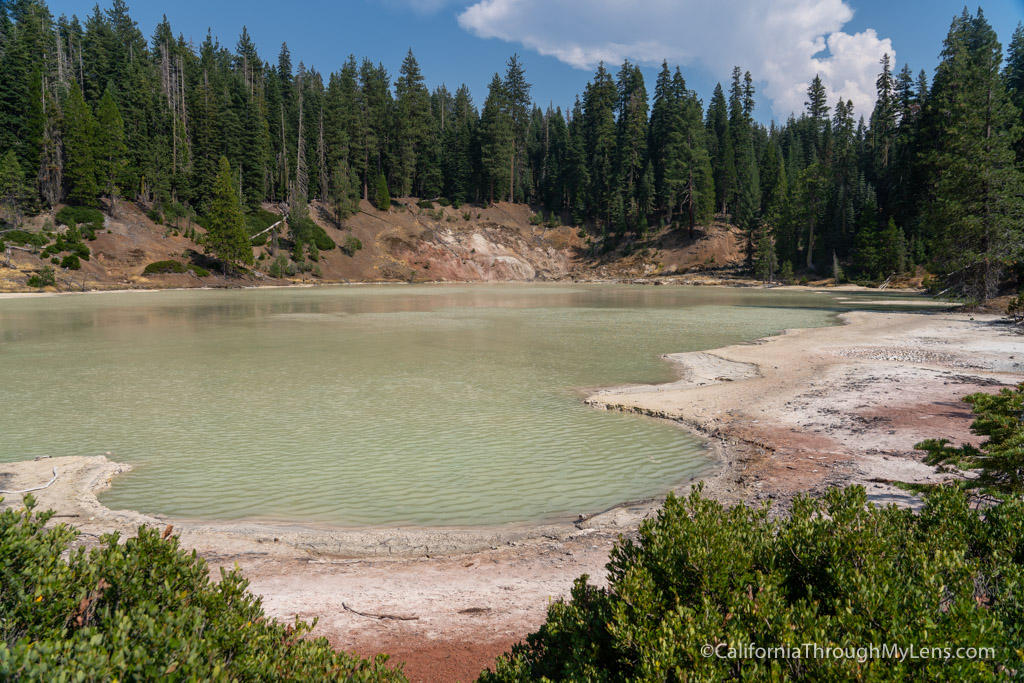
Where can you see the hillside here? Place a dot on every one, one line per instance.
(408, 243)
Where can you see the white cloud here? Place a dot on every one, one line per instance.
(781, 42)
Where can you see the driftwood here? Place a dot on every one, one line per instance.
(268, 229)
(396, 617)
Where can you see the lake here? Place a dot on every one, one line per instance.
(370, 405)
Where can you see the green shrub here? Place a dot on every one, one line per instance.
(351, 245)
(835, 573)
(425, 204)
(44, 278)
(173, 211)
(443, 201)
(71, 262)
(55, 261)
(79, 249)
(81, 216)
(199, 271)
(143, 609)
(155, 216)
(165, 267)
(997, 465)
(25, 238)
(259, 220)
(306, 231)
(536, 219)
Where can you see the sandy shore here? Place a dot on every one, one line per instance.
(794, 413)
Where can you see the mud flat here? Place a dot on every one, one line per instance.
(789, 414)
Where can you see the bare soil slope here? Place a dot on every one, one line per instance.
(407, 243)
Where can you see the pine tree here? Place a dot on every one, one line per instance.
(723, 160)
(1014, 76)
(632, 142)
(79, 150)
(226, 238)
(110, 147)
(497, 138)
(413, 129)
(376, 108)
(599, 100)
(381, 198)
(766, 261)
(13, 191)
(817, 101)
(977, 189)
(517, 104)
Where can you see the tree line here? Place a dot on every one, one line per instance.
(932, 176)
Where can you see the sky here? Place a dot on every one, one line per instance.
(783, 43)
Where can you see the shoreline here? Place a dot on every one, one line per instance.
(788, 414)
(676, 280)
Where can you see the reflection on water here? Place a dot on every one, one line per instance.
(367, 405)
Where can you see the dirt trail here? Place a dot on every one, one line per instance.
(790, 414)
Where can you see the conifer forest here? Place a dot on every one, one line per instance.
(93, 112)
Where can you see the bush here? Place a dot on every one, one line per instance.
(836, 573)
(71, 262)
(81, 216)
(425, 204)
(443, 201)
(998, 464)
(143, 609)
(165, 267)
(44, 278)
(351, 245)
(199, 271)
(536, 219)
(79, 249)
(25, 238)
(155, 216)
(259, 220)
(306, 231)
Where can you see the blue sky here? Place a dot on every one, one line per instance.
(782, 43)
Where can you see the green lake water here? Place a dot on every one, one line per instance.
(369, 405)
